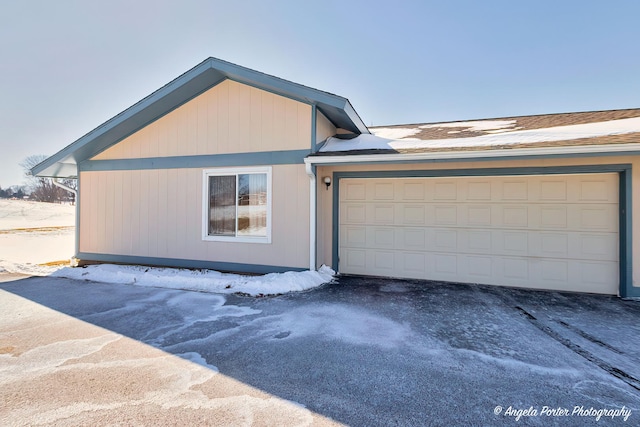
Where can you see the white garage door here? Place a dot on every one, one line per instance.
(548, 232)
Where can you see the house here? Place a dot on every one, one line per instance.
(232, 169)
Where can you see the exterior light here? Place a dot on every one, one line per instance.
(327, 181)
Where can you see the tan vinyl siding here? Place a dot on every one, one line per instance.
(325, 201)
(158, 213)
(228, 118)
(324, 128)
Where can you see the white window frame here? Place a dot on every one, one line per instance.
(206, 173)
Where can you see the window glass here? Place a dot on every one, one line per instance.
(237, 205)
(252, 205)
(222, 205)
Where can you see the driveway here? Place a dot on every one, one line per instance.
(361, 352)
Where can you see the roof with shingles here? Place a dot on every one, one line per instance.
(593, 128)
(519, 123)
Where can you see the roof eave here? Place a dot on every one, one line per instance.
(583, 150)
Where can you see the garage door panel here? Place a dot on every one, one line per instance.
(353, 191)
(354, 260)
(383, 237)
(444, 240)
(383, 262)
(596, 272)
(383, 191)
(353, 213)
(412, 238)
(413, 264)
(477, 215)
(446, 265)
(548, 232)
(354, 236)
(515, 270)
(514, 190)
(602, 246)
(445, 215)
(479, 268)
(477, 190)
(382, 213)
(514, 216)
(597, 188)
(412, 214)
(413, 191)
(514, 242)
(445, 190)
(477, 241)
(597, 217)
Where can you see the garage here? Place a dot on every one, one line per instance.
(556, 232)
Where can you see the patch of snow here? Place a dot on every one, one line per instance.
(519, 365)
(203, 308)
(341, 322)
(361, 142)
(200, 280)
(27, 268)
(558, 133)
(475, 125)
(198, 359)
(395, 133)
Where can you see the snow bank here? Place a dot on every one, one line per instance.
(200, 280)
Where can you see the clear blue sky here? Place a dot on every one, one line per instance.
(68, 66)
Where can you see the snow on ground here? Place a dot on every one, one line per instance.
(34, 234)
(381, 139)
(200, 280)
(16, 214)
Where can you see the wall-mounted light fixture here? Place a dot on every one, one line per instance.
(327, 181)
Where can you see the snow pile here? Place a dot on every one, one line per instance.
(200, 280)
(505, 137)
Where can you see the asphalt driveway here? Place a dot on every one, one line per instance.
(358, 352)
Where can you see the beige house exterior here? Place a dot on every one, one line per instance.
(231, 169)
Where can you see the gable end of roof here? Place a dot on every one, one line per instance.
(187, 86)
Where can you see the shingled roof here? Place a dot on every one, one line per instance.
(462, 129)
(595, 128)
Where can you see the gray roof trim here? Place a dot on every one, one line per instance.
(197, 80)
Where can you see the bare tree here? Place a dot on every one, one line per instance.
(43, 189)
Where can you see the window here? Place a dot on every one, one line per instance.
(237, 205)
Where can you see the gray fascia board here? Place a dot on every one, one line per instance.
(182, 89)
(355, 118)
(277, 84)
